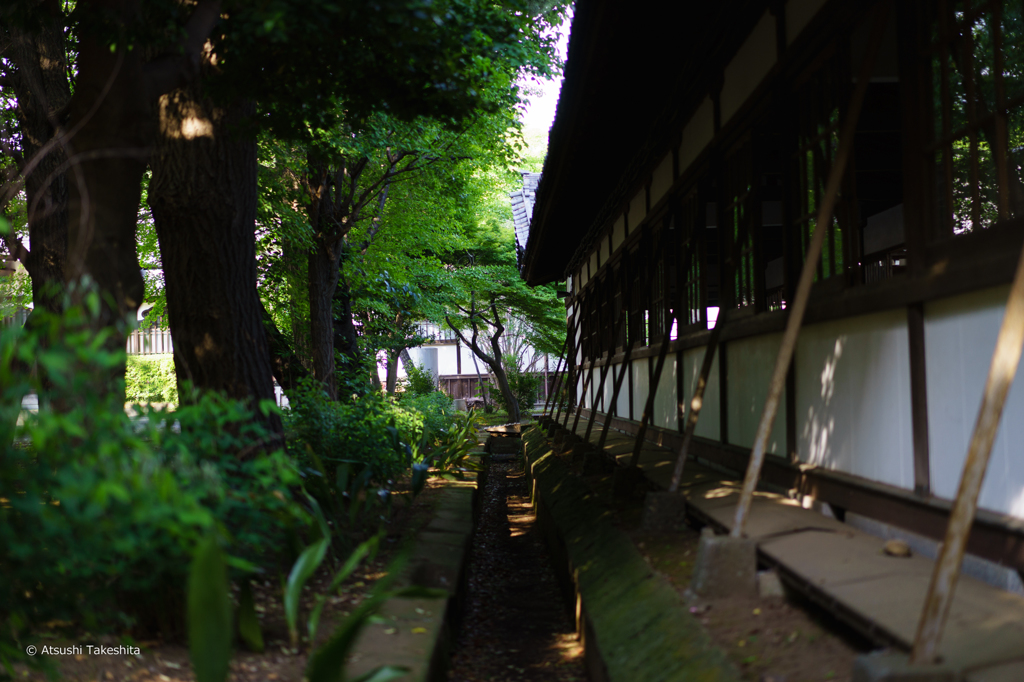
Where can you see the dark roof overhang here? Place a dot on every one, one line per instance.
(630, 69)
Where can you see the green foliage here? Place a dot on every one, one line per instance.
(150, 379)
(101, 514)
(456, 443)
(351, 430)
(209, 613)
(524, 385)
(248, 622)
(425, 413)
(421, 380)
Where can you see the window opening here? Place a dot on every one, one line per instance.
(977, 86)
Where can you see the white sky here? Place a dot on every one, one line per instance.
(540, 112)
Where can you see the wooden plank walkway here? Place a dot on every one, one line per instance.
(846, 571)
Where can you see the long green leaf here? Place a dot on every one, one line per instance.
(248, 623)
(327, 664)
(209, 613)
(354, 559)
(305, 566)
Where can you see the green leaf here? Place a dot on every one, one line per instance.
(327, 664)
(305, 566)
(248, 622)
(209, 613)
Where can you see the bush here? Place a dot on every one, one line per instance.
(421, 380)
(100, 515)
(353, 431)
(151, 379)
(525, 388)
(432, 411)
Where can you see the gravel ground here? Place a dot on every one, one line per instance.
(517, 625)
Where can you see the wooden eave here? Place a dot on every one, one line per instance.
(634, 72)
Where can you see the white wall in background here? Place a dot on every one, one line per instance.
(960, 335)
(749, 369)
(853, 397)
(709, 424)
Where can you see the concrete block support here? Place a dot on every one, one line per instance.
(890, 666)
(725, 566)
(579, 452)
(663, 511)
(629, 483)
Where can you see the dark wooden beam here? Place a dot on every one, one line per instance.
(918, 399)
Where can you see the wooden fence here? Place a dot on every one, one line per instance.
(150, 341)
(469, 385)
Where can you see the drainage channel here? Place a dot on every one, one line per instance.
(516, 626)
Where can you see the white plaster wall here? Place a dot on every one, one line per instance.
(618, 233)
(447, 359)
(752, 62)
(641, 386)
(749, 370)
(661, 180)
(798, 14)
(853, 397)
(960, 335)
(697, 134)
(709, 425)
(606, 390)
(622, 404)
(637, 209)
(665, 401)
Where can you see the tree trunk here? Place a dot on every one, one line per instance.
(284, 363)
(203, 196)
(323, 280)
(346, 338)
(392, 371)
(406, 359)
(43, 93)
(115, 123)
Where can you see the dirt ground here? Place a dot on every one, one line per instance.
(169, 662)
(517, 625)
(768, 640)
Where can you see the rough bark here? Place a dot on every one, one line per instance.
(323, 282)
(41, 86)
(284, 362)
(392, 376)
(492, 360)
(203, 196)
(110, 127)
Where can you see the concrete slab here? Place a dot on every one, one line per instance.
(985, 630)
(410, 633)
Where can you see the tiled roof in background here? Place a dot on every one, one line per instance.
(522, 210)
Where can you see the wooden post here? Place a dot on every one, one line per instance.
(697, 402)
(605, 369)
(803, 289)
(558, 367)
(1001, 371)
(575, 348)
(649, 404)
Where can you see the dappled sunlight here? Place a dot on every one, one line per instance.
(820, 423)
(724, 491)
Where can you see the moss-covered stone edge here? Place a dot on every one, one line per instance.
(640, 627)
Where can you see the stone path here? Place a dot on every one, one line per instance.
(517, 625)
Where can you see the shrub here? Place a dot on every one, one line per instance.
(151, 379)
(421, 380)
(100, 515)
(524, 387)
(432, 411)
(353, 431)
